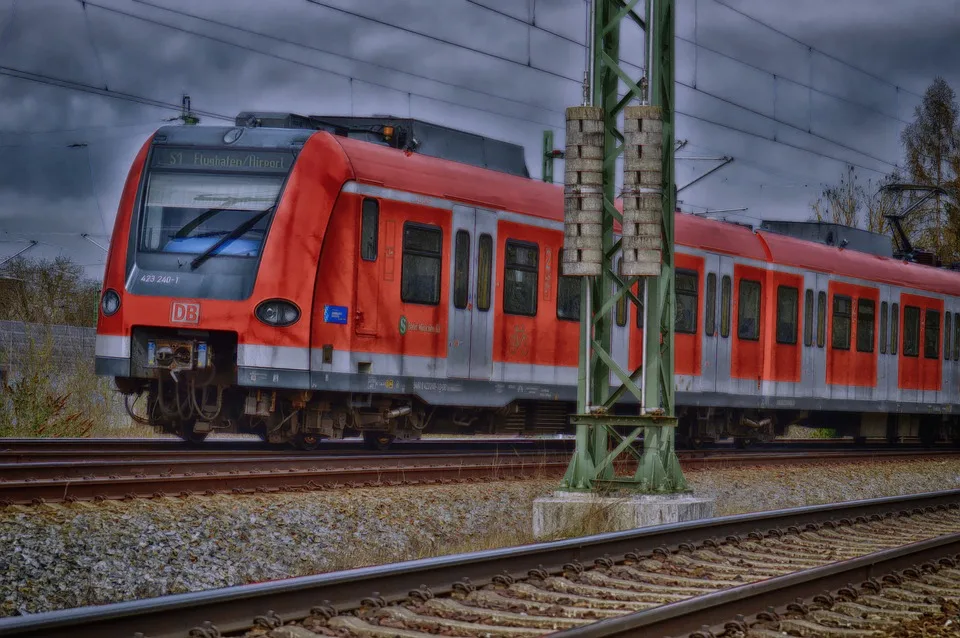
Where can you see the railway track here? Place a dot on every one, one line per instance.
(669, 580)
(33, 477)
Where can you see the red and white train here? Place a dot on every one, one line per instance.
(302, 280)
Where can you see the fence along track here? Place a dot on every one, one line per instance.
(529, 590)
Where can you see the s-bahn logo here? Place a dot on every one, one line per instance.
(182, 312)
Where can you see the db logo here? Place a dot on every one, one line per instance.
(181, 312)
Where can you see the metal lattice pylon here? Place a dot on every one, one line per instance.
(593, 145)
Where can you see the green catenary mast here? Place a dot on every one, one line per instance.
(593, 145)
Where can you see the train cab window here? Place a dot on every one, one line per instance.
(788, 300)
(725, 299)
(621, 314)
(947, 333)
(484, 272)
(568, 294)
(911, 331)
(894, 328)
(641, 285)
(748, 310)
(710, 321)
(461, 269)
(686, 290)
(821, 319)
(808, 318)
(521, 269)
(842, 306)
(369, 229)
(866, 324)
(883, 328)
(931, 337)
(956, 336)
(420, 269)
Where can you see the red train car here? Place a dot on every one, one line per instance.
(301, 284)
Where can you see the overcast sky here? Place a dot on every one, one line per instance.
(791, 90)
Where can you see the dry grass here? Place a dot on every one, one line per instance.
(51, 390)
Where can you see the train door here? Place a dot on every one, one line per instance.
(818, 357)
(367, 273)
(710, 332)
(722, 378)
(470, 334)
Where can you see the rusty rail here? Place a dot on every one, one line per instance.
(182, 473)
(347, 601)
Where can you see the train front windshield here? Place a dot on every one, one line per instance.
(192, 214)
(203, 220)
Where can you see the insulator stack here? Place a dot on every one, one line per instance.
(583, 192)
(642, 191)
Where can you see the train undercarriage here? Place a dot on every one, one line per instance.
(186, 384)
(192, 407)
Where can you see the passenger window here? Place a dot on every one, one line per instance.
(842, 305)
(420, 276)
(894, 328)
(956, 336)
(521, 269)
(947, 325)
(931, 338)
(484, 272)
(788, 299)
(568, 295)
(640, 288)
(883, 328)
(725, 299)
(821, 319)
(369, 229)
(911, 331)
(866, 309)
(461, 270)
(808, 318)
(748, 311)
(621, 314)
(686, 290)
(710, 321)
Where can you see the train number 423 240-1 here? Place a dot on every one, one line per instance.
(159, 279)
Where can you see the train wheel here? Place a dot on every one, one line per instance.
(377, 440)
(306, 441)
(186, 432)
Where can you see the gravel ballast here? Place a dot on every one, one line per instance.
(60, 556)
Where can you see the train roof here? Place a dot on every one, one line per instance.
(434, 177)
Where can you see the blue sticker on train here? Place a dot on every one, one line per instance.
(335, 314)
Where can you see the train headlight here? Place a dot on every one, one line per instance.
(277, 312)
(110, 303)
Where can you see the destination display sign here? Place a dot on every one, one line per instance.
(222, 160)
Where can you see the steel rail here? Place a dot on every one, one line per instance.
(712, 611)
(233, 609)
(157, 463)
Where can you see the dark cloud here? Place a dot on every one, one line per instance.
(505, 80)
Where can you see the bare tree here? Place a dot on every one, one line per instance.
(932, 146)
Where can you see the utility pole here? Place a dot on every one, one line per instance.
(593, 145)
(550, 154)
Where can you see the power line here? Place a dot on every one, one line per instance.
(311, 66)
(410, 31)
(311, 47)
(793, 126)
(88, 88)
(818, 50)
(707, 49)
(776, 141)
(448, 42)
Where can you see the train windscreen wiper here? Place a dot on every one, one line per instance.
(229, 237)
